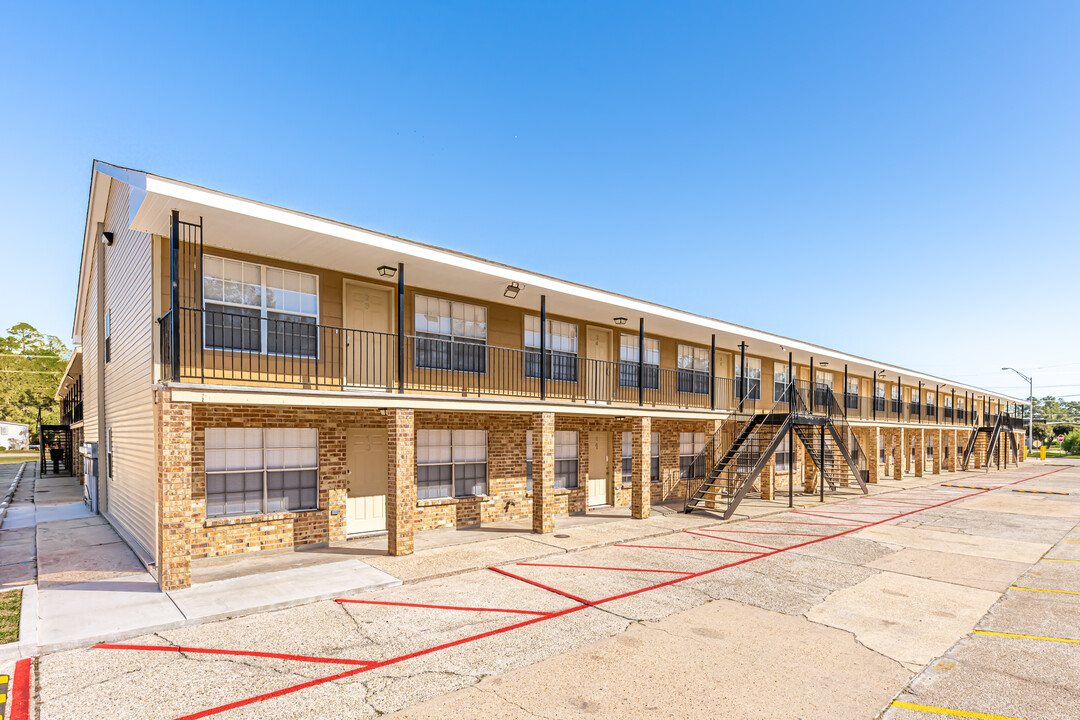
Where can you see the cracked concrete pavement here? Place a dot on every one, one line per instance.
(832, 629)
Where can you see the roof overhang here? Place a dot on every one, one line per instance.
(247, 226)
(71, 372)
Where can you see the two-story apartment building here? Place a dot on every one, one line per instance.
(254, 378)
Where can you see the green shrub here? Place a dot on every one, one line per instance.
(1071, 443)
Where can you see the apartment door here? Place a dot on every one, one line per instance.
(366, 462)
(599, 370)
(599, 467)
(370, 353)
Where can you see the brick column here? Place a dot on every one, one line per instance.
(175, 521)
(920, 451)
(401, 480)
(870, 445)
(980, 450)
(954, 449)
(810, 471)
(939, 442)
(641, 453)
(898, 453)
(767, 479)
(543, 431)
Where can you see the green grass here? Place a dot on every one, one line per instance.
(10, 605)
(12, 456)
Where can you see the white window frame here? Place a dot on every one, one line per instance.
(753, 367)
(264, 309)
(559, 332)
(627, 455)
(458, 441)
(693, 364)
(265, 466)
(629, 352)
(694, 442)
(565, 440)
(452, 338)
(780, 380)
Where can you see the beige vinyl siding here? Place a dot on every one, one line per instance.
(90, 361)
(129, 400)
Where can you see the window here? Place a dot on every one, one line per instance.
(693, 373)
(823, 388)
(690, 446)
(566, 459)
(929, 447)
(451, 463)
(450, 335)
(261, 470)
(753, 378)
(628, 362)
(780, 381)
(255, 308)
(879, 398)
(561, 344)
(109, 453)
(783, 453)
(851, 396)
(946, 403)
(628, 457)
(930, 401)
(896, 399)
(108, 335)
(914, 403)
(528, 461)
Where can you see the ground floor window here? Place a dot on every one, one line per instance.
(628, 458)
(783, 453)
(690, 446)
(451, 463)
(566, 459)
(528, 461)
(261, 470)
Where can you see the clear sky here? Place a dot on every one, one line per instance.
(900, 180)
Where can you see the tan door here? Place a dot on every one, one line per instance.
(599, 370)
(365, 458)
(370, 353)
(599, 465)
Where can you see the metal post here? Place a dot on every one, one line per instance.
(641, 363)
(822, 473)
(1031, 415)
(401, 327)
(873, 396)
(937, 404)
(742, 374)
(918, 407)
(712, 374)
(899, 398)
(543, 346)
(791, 386)
(954, 406)
(813, 386)
(845, 390)
(174, 295)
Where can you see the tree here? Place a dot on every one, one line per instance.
(1071, 443)
(31, 366)
(1041, 432)
(1061, 429)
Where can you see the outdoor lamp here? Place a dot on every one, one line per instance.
(387, 271)
(512, 290)
(620, 321)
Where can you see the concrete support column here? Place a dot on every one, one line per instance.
(767, 478)
(939, 449)
(641, 453)
(920, 451)
(175, 460)
(899, 453)
(543, 492)
(401, 480)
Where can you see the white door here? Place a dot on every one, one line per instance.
(599, 371)
(370, 354)
(599, 465)
(365, 459)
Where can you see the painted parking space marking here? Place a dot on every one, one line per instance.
(1063, 592)
(439, 607)
(1041, 492)
(241, 653)
(600, 567)
(1024, 637)
(762, 532)
(973, 487)
(1060, 560)
(798, 522)
(4, 680)
(953, 713)
(670, 547)
(558, 614)
(20, 691)
(739, 542)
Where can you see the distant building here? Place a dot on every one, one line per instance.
(14, 436)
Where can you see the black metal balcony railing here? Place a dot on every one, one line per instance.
(250, 350)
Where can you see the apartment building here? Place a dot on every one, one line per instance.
(251, 377)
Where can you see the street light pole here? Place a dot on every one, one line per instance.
(1031, 407)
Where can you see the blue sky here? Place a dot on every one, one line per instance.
(889, 179)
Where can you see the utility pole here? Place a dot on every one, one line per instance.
(1031, 406)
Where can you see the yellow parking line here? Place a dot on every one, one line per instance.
(1025, 637)
(1041, 492)
(1060, 560)
(954, 713)
(1065, 592)
(1067, 540)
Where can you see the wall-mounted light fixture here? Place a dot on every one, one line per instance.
(620, 321)
(823, 364)
(387, 271)
(107, 237)
(512, 290)
(782, 348)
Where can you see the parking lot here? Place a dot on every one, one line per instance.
(958, 597)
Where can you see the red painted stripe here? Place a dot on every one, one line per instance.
(454, 643)
(794, 522)
(667, 547)
(597, 567)
(755, 532)
(827, 517)
(507, 573)
(244, 653)
(724, 539)
(440, 607)
(20, 691)
(879, 502)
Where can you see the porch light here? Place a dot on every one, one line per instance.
(823, 364)
(107, 237)
(387, 271)
(620, 321)
(512, 290)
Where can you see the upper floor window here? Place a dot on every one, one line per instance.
(823, 388)
(629, 355)
(931, 400)
(752, 390)
(879, 398)
(693, 373)
(896, 399)
(450, 335)
(257, 308)
(915, 402)
(780, 381)
(561, 344)
(851, 396)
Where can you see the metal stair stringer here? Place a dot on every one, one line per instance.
(762, 461)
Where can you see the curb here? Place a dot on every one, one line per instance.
(11, 493)
(26, 645)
